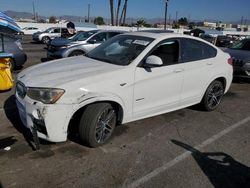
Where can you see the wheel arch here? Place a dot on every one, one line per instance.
(73, 124)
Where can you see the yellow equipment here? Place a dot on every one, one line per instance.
(6, 81)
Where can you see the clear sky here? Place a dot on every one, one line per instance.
(223, 10)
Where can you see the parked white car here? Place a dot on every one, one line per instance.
(30, 30)
(129, 77)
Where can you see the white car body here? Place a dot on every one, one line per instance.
(30, 30)
(139, 93)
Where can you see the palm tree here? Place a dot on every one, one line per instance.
(124, 13)
(117, 13)
(111, 3)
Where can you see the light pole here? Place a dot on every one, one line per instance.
(166, 12)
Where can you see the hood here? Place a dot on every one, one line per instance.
(60, 42)
(238, 54)
(58, 73)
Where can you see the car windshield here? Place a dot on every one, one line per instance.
(121, 49)
(81, 36)
(48, 30)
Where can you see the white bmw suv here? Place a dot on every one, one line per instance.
(129, 77)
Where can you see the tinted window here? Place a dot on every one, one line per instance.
(193, 50)
(64, 30)
(57, 30)
(168, 51)
(101, 37)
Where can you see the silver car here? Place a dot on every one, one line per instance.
(79, 44)
(49, 34)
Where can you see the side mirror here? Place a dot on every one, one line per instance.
(92, 41)
(153, 61)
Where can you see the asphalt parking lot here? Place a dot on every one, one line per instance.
(186, 148)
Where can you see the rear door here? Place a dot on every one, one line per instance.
(198, 59)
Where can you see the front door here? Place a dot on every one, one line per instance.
(158, 89)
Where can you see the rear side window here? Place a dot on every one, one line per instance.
(193, 50)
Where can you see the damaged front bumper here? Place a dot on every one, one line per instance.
(49, 121)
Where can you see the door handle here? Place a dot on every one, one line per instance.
(178, 70)
(210, 63)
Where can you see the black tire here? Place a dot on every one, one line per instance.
(12, 65)
(76, 53)
(213, 96)
(97, 124)
(45, 40)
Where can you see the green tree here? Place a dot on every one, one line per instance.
(183, 21)
(52, 19)
(99, 21)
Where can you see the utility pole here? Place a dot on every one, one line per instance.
(88, 13)
(125, 11)
(176, 16)
(166, 13)
(34, 12)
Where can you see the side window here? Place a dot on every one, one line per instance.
(193, 50)
(64, 30)
(168, 51)
(99, 38)
(57, 30)
(246, 46)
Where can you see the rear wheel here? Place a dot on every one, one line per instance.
(213, 96)
(76, 53)
(97, 124)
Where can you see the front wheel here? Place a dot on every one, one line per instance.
(45, 40)
(97, 124)
(213, 96)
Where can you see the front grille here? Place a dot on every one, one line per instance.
(238, 63)
(21, 90)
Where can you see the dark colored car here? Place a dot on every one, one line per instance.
(80, 44)
(12, 44)
(240, 52)
(207, 37)
(224, 41)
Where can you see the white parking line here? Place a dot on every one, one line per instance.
(183, 156)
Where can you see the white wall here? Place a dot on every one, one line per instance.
(43, 26)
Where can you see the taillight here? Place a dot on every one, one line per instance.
(230, 61)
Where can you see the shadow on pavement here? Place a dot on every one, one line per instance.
(11, 112)
(221, 169)
(240, 80)
(45, 59)
(7, 142)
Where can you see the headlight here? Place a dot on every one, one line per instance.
(66, 46)
(45, 95)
